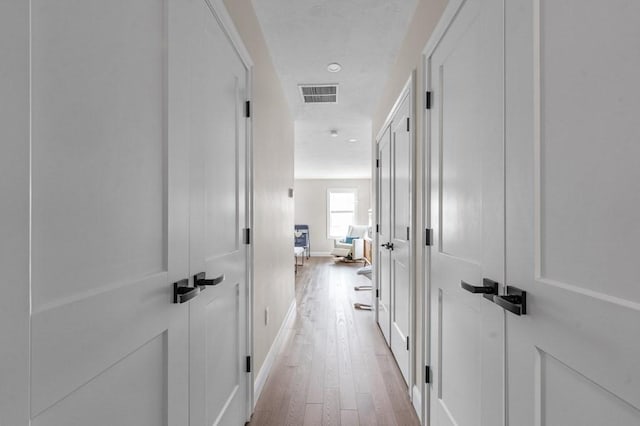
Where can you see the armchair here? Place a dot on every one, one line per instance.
(352, 246)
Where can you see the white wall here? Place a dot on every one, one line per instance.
(311, 207)
(273, 285)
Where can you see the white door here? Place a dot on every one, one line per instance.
(573, 196)
(467, 217)
(108, 345)
(400, 229)
(218, 379)
(384, 234)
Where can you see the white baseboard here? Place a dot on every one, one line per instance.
(320, 253)
(416, 399)
(281, 337)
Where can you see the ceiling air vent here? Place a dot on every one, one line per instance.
(319, 93)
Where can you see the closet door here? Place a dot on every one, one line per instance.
(218, 347)
(401, 143)
(108, 345)
(572, 213)
(467, 217)
(384, 234)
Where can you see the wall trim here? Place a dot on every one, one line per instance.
(281, 337)
(416, 400)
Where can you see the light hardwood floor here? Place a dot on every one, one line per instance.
(335, 367)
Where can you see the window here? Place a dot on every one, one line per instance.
(341, 211)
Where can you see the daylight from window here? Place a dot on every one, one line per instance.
(341, 206)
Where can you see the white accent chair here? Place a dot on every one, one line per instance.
(355, 249)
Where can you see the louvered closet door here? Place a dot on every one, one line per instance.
(572, 212)
(108, 346)
(218, 347)
(467, 217)
(384, 234)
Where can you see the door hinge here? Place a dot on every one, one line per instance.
(377, 163)
(427, 100)
(407, 342)
(377, 293)
(408, 124)
(248, 365)
(377, 227)
(247, 109)
(428, 238)
(408, 233)
(427, 374)
(246, 236)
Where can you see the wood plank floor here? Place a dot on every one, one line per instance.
(335, 368)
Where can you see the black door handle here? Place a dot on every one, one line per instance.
(200, 281)
(488, 289)
(515, 301)
(182, 292)
(388, 246)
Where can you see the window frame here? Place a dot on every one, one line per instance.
(328, 210)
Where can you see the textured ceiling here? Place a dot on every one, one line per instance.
(304, 36)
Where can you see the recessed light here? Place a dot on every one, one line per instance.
(334, 67)
(352, 140)
(334, 133)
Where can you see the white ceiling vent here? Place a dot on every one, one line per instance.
(319, 93)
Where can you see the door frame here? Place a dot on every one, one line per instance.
(219, 11)
(445, 21)
(408, 90)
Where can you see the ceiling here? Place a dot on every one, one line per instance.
(303, 37)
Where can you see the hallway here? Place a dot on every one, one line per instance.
(335, 367)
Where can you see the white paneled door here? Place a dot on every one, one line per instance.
(108, 346)
(218, 348)
(573, 196)
(534, 184)
(384, 234)
(400, 230)
(137, 175)
(467, 217)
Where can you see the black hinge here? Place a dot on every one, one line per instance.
(427, 100)
(407, 342)
(246, 236)
(248, 366)
(428, 239)
(427, 374)
(377, 293)
(247, 109)
(377, 227)
(408, 124)
(408, 233)
(377, 164)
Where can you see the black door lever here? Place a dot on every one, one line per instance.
(200, 281)
(515, 301)
(489, 288)
(388, 246)
(183, 293)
